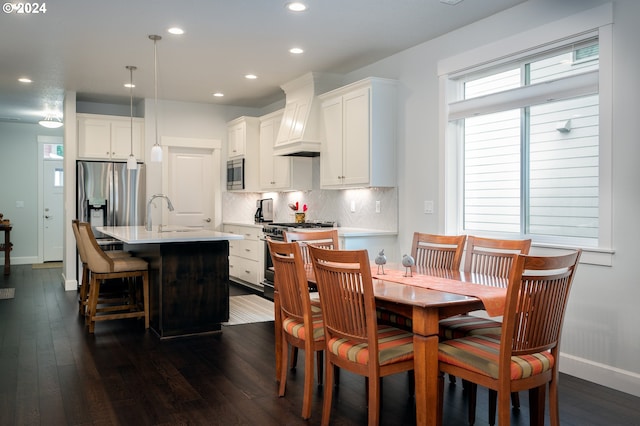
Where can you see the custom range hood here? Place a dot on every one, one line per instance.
(301, 128)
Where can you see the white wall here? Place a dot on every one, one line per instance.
(601, 339)
(18, 183)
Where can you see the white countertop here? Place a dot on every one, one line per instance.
(169, 234)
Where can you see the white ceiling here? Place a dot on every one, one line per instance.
(84, 46)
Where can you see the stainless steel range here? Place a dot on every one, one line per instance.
(274, 231)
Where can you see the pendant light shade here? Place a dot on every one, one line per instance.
(156, 150)
(132, 164)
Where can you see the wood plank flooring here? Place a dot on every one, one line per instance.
(52, 372)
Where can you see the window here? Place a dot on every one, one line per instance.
(527, 139)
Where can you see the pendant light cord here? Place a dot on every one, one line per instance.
(131, 106)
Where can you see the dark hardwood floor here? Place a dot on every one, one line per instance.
(52, 372)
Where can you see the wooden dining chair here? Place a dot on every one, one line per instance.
(525, 355)
(437, 251)
(433, 254)
(101, 268)
(354, 340)
(486, 256)
(84, 284)
(326, 238)
(299, 326)
(491, 257)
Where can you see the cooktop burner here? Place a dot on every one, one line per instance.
(277, 228)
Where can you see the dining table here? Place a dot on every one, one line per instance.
(425, 295)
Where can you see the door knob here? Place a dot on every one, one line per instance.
(208, 220)
(47, 217)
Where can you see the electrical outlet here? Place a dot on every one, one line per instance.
(377, 206)
(353, 206)
(428, 207)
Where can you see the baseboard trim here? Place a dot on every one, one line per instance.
(605, 375)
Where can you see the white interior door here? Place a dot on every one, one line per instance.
(52, 217)
(191, 186)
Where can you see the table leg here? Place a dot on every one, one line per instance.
(425, 349)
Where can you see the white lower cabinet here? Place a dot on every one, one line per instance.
(246, 256)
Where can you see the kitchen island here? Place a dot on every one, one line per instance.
(188, 276)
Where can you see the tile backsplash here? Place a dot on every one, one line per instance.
(323, 205)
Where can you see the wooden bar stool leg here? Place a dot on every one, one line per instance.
(145, 297)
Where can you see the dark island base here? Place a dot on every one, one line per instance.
(188, 288)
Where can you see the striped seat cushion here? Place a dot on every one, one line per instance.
(480, 354)
(467, 325)
(391, 318)
(394, 345)
(297, 329)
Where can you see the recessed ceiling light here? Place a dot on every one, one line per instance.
(451, 2)
(250, 76)
(218, 95)
(175, 31)
(129, 85)
(296, 50)
(296, 6)
(25, 80)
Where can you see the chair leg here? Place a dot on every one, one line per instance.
(536, 405)
(283, 364)
(294, 358)
(554, 410)
(145, 298)
(319, 366)
(308, 382)
(328, 391)
(374, 400)
(515, 400)
(472, 390)
(493, 398)
(93, 302)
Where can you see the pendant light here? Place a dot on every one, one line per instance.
(51, 121)
(132, 164)
(156, 150)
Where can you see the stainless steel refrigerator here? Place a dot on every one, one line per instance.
(110, 195)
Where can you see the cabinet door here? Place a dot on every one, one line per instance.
(331, 158)
(267, 129)
(94, 138)
(236, 143)
(121, 143)
(357, 137)
(275, 171)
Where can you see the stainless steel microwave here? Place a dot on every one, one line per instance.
(235, 174)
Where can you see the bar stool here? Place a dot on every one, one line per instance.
(84, 285)
(102, 267)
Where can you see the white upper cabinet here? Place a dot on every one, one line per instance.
(359, 148)
(242, 133)
(243, 142)
(280, 173)
(107, 137)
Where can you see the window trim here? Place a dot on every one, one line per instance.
(577, 27)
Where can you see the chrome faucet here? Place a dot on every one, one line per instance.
(148, 225)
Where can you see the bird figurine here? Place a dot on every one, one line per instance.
(408, 262)
(381, 260)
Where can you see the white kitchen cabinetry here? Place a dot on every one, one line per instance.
(246, 257)
(359, 149)
(242, 136)
(244, 142)
(280, 173)
(107, 137)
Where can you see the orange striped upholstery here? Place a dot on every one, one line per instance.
(480, 354)
(297, 329)
(467, 325)
(394, 345)
(391, 318)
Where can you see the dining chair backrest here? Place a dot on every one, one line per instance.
(97, 260)
(326, 238)
(489, 256)
(290, 280)
(535, 306)
(437, 251)
(346, 293)
(76, 233)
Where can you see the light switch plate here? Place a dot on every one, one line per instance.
(377, 206)
(428, 207)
